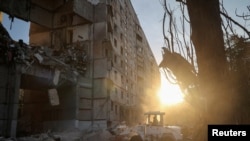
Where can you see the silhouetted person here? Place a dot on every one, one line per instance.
(155, 121)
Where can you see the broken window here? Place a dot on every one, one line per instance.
(110, 29)
(106, 52)
(70, 36)
(121, 9)
(121, 36)
(115, 28)
(116, 111)
(111, 106)
(121, 50)
(138, 37)
(110, 10)
(122, 64)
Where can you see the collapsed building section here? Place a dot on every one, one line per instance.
(88, 64)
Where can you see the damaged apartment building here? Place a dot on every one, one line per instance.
(87, 65)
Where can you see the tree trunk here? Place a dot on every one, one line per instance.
(207, 37)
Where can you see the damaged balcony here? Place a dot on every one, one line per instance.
(52, 14)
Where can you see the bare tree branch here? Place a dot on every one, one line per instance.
(236, 23)
(243, 15)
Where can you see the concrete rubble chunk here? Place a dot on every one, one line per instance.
(53, 96)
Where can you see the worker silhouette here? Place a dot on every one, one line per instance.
(155, 121)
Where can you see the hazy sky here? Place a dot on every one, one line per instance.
(150, 14)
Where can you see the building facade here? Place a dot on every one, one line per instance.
(94, 66)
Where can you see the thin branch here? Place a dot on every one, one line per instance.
(170, 14)
(236, 23)
(164, 34)
(245, 17)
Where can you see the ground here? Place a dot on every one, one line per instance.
(70, 135)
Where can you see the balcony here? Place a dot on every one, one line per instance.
(51, 14)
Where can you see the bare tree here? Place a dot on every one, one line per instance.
(205, 51)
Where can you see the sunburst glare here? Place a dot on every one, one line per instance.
(170, 94)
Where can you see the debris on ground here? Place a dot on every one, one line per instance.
(102, 135)
(70, 135)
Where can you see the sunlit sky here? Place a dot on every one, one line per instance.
(150, 14)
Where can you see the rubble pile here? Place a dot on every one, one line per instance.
(72, 58)
(73, 135)
(121, 132)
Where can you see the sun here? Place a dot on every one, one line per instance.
(170, 94)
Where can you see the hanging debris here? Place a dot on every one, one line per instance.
(180, 67)
(65, 64)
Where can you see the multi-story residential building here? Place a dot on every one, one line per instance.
(114, 73)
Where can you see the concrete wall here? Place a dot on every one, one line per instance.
(9, 93)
